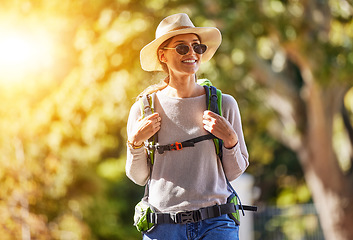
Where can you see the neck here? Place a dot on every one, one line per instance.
(183, 87)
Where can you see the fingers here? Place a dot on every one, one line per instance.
(209, 114)
(152, 116)
(147, 127)
(216, 124)
(220, 127)
(210, 120)
(210, 125)
(156, 124)
(155, 121)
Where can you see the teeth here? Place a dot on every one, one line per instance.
(189, 61)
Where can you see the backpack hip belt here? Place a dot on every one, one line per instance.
(196, 215)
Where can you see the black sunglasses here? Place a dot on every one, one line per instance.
(183, 49)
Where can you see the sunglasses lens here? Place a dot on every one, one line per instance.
(182, 49)
(200, 48)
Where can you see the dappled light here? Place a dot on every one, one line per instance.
(70, 71)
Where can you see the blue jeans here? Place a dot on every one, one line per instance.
(220, 228)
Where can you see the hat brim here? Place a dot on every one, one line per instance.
(209, 36)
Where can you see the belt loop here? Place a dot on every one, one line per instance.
(214, 211)
(197, 215)
(217, 210)
(151, 217)
(203, 213)
(173, 217)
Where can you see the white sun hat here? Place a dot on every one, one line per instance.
(175, 25)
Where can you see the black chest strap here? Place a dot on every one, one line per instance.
(179, 145)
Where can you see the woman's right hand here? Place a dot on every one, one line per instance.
(145, 128)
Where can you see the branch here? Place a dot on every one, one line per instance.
(277, 82)
(284, 98)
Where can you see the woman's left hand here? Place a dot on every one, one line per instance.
(220, 127)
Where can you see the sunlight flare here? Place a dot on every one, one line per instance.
(23, 53)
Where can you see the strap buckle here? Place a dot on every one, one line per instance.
(150, 146)
(176, 146)
(186, 217)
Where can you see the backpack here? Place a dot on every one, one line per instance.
(214, 104)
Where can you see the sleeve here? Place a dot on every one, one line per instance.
(235, 160)
(137, 167)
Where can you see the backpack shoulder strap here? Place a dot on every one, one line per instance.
(214, 104)
(213, 99)
(212, 91)
(147, 108)
(216, 100)
(147, 104)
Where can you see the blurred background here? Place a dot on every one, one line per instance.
(70, 71)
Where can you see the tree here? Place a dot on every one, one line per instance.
(300, 52)
(62, 131)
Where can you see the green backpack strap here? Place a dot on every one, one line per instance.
(147, 108)
(214, 104)
(143, 208)
(146, 105)
(205, 82)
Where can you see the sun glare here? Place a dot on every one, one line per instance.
(23, 53)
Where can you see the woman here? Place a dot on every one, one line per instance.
(193, 178)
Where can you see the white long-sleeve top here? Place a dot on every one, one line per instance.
(193, 177)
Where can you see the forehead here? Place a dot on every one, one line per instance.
(190, 37)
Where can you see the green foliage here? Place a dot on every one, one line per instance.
(62, 125)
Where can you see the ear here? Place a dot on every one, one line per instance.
(161, 56)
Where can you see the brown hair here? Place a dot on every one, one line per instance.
(163, 83)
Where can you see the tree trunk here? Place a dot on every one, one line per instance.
(331, 189)
(311, 110)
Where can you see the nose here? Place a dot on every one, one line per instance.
(191, 49)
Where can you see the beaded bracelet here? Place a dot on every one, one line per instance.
(133, 146)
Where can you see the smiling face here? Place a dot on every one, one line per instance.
(187, 64)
